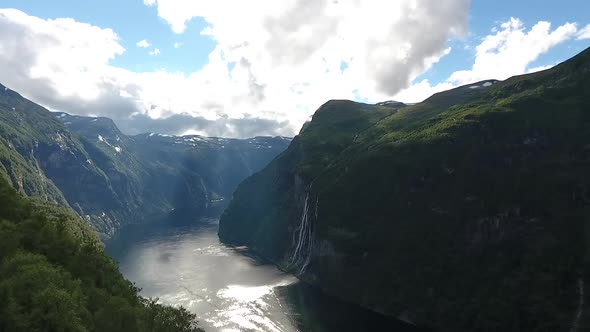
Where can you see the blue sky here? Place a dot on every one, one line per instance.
(133, 22)
(233, 68)
(484, 15)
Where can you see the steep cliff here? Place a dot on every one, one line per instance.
(466, 212)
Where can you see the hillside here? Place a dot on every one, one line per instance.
(466, 212)
(54, 276)
(111, 179)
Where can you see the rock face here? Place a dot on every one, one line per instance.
(111, 179)
(466, 212)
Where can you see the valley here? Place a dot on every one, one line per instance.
(111, 179)
(465, 212)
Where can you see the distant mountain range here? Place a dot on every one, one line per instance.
(469, 211)
(111, 179)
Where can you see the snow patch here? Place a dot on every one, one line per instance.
(61, 141)
(151, 134)
(486, 84)
(118, 149)
(100, 138)
(474, 87)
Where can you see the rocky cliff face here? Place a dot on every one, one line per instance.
(465, 212)
(111, 179)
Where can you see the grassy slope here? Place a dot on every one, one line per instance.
(18, 138)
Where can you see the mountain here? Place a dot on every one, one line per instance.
(466, 212)
(111, 179)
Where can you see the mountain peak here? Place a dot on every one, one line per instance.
(89, 125)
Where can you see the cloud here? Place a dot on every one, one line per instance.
(385, 44)
(177, 45)
(143, 44)
(60, 57)
(273, 63)
(584, 33)
(538, 68)
(508, 51)
(155, 51)
(421, 90)
(184, 124)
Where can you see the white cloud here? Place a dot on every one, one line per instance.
(273, 65)
(538, 68)
(508, 51)
(143, 44)
(155, 51)
(385, 43)
(177, 45)
(419, 91)
(59, 54)
(584, 33)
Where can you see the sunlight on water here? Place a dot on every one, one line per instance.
(250, 294)
(250, 306)
(190, 267)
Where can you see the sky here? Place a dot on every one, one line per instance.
(238, 68)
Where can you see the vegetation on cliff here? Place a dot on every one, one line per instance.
(54, 276)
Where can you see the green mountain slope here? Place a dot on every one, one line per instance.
(467, 212)
(111, 179)
(54, 276)
(20, 140)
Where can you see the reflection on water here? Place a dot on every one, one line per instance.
(188, 266)
(227, 290)
(314, 311)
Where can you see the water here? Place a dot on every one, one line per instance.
(227, 289)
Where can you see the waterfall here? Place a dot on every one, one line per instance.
(580, 309)
(304, 235)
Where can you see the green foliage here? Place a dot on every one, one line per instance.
(54, 276)
(467, 212)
